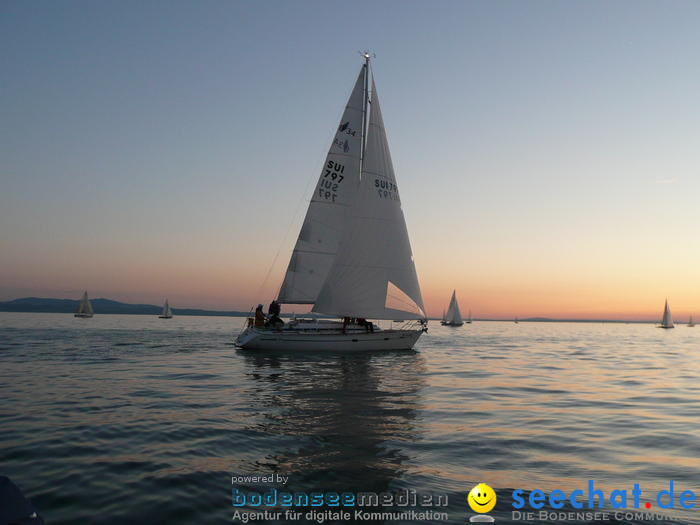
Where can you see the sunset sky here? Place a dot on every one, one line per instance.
(547, 153)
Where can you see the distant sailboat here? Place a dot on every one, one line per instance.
(469, 319)
(690, 322)
(516, 320)
(167, 312)
(454, 316)
(85, 308)
(667, 320)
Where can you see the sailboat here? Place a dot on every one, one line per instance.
(469, 319)
(454, 316)
(85, 308)
(667, 320)
(690, 322)
(167, 312)
(516, 321)
(352, 259)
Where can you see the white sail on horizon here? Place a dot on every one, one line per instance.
(373, 274)
(320, 234)
(667, 320)
(85, 305)
(166, 310)
(454, 316)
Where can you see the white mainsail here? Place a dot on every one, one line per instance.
(373, 274)
(320, 234)
(85, 305)
(454, 316)
(667, 321)
(166, 310)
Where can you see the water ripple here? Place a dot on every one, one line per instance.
(129, 419)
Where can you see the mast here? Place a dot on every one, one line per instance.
(365, 106)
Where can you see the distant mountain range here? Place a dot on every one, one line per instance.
(101, 306)
(108, 306)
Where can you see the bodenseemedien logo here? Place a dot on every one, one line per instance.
(481, 499)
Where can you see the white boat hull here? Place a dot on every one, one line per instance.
(309, 340)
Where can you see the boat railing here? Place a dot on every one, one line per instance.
(413, 324)
(249, 322)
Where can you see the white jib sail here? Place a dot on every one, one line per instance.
(667, 320)
(166, 309)
(454, 316)
(320, 233)
(373, 274)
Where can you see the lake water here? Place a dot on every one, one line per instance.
(133, 419)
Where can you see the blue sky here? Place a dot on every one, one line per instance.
(546, 151)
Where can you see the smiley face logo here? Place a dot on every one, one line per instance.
(482, 498)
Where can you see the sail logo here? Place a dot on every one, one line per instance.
(341, 144)
(347, 129)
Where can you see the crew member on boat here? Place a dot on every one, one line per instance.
(259, 317)
(273, 313)
(369, 326)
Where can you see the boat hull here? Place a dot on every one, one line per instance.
(329, 341)
(165, 317)
(83, 316)
(451, 324)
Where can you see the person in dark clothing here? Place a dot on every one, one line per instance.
(259, 317)
(274, 315)
(369, 327)
(275, 309)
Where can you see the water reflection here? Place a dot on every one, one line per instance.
(346, 416)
